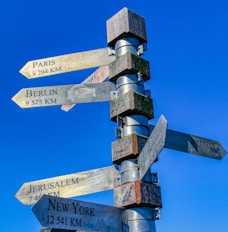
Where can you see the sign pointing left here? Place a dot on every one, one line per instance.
(67, 63)
(71, 185)
(63, 213)
(63, 94)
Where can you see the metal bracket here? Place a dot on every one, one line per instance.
(154, 177)
(147, 93)
(111, 51)
(117, 177)
(125, 227)
(157, 214)
(141, 49)
(118, 132)
(121, 121)
(140, 77)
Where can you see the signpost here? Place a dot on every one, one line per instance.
(62, 213)
(67, 63)
(72, 185)
(134, 152)
(63, 94)
(153, 147)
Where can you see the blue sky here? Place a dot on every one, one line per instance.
(187, 51)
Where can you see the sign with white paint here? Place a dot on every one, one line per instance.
(153, 147)
(72, 185)
(67, 63)
(100, 75)
(63, 94)
(65, 213)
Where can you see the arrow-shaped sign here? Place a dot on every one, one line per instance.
(192, 144)
(69, 185)
(63, 94)
(67, 63)
(100, 75)
(153, 147)
(62, 213)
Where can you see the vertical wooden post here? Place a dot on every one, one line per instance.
(131, 107)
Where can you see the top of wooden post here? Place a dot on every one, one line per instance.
(125, 23)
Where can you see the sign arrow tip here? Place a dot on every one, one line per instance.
(25, 72)
(222, 151)
(16, 99)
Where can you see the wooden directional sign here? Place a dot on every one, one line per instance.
(98, 76)
(67, 63)
(69, 185)
(63, 94)
(153, 147)
(62, 213)
(194, 144)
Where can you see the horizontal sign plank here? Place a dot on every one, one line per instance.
(67, 63)
(192, 144)
(65, 213)
(71, 185)
(63, 94)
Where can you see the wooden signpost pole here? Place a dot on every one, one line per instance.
(131, 108)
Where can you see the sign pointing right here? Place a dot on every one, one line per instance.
(193, 144)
